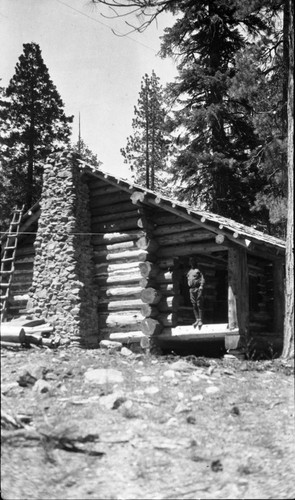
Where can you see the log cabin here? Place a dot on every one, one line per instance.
(101, 258)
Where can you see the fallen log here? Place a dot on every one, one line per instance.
(20, 335)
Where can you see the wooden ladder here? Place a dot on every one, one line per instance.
(8, 259)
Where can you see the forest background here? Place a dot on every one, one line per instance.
(217, 134)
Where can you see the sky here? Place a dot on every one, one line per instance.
(97, 73)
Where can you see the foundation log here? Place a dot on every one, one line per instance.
(133, 317)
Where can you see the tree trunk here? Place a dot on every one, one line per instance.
(288, 350)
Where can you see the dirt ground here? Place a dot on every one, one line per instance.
(144, 426)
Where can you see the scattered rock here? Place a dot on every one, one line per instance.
(126, 352)
(169, 374)
(235, 411)
(110, 345)
(112, 401)
(212, 389)
(216, 466)
(146, 378)
(152, 390)
(191, 419)
(181, 366)
(182, 408)
(102, 376)
(41, 386)
(26, 379)
(6, 388)
(198, 397)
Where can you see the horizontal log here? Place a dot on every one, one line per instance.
(121, 269)
(117, 320)
(167, 263)
(23, 272)
(150, 327)
(167, 319)
(147, 282)
(120, 305)
(107, 200)
(98, 219)
(124, 256)
(137, 197)
(29, 259)
(127, 337)
(169, 229)
(184, 237)
(113, 238)
(146, 243)
(150, 296)
(124, 206)
(190, 249)
(166, 218)
(166, 276)
(168, 303)
(148, 311)
(25, 250)
(106, 330)
(123, 278)
(115, 226)
(100, 188)
(118, 291)
(105, 268)
(168, 288)
(148, 269)
(210, 332)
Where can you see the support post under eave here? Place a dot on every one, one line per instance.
(238, 297)
(279, 298)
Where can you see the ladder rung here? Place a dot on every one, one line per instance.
(4, 285)
(7, 272)
(10, 248)
(8, 259)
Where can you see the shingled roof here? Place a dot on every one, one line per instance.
(239, 233)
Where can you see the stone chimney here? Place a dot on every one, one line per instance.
(63, 291)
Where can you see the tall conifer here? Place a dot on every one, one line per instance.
(34, 126)
(146, 149)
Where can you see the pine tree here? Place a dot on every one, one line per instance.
(34, 126)
(259, 85)
(215, 132)
(147, 148)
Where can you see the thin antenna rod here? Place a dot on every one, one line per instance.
(79, 136)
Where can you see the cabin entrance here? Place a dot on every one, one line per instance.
(215, 307)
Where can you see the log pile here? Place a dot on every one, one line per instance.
(28, 331)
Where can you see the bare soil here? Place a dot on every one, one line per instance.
(210, 428)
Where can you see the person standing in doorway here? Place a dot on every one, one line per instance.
(196, 282)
